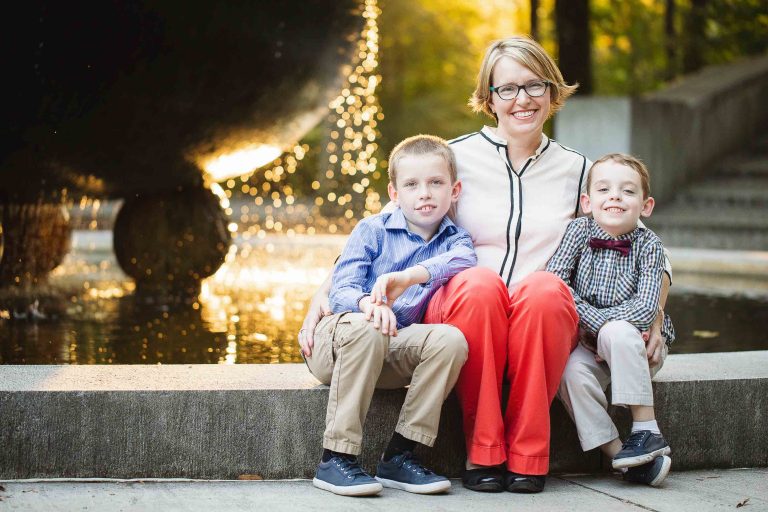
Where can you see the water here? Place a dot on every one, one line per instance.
(250, 311)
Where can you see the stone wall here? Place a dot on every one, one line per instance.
(221, 422)
(681, 131)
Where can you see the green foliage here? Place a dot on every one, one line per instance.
(735, 28)
(428, 65)
(633, 53)
(628, 46)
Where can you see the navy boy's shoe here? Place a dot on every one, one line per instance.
(641, 447)
(652, 473)
(344, 476)
(405, 472)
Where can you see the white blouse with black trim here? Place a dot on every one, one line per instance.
(516, 217)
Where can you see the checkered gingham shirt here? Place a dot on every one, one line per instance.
(607, 285)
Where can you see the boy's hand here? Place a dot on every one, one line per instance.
(388, 287)
(381, 315)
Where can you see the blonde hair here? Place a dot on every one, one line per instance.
(630, 161)
(421, 145)
(528, 53)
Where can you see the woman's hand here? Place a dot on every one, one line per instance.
(654, 340)
(318, 308)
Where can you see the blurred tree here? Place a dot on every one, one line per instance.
(431, 51)
(695, 25)
(574, 42)
(629, 53)
(670, 39)
(430, 54)
(734, 28)
(638, 45)
(535, 19)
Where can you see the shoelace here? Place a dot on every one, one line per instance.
(410, 461)
(350, 467)
(635, 439)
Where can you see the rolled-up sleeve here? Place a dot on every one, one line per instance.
(349, 276)
(459, 256)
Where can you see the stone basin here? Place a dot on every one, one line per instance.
(119, 98)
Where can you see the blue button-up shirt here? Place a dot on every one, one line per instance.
(382, 243)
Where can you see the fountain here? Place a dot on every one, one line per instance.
(135, 100)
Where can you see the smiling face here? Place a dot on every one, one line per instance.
(522, 116)
(615, 198)
(424, 192)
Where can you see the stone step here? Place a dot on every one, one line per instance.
(735, 217)
(742, 240)
(718, 193)
(747, 165)
(266, 421)
(760, 144)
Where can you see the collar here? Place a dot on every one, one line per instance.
(595, 231)
(490, 134)
(396, 221)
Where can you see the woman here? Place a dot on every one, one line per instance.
(520, 190)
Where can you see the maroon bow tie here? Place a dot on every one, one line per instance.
(622, 246)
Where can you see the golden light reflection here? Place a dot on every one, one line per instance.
(242, 161)
(285, 242)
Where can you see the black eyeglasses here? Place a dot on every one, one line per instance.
(532, 89)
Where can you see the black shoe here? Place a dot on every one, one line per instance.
(514, 482)
(483, 480)
(641, 447)
(651, 474)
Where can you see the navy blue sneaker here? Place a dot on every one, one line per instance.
(405, 472)
(651, 474)
(345, 477)
(641, 447)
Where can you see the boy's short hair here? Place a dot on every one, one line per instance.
(421, 145)
(528, 53)
(630, 161)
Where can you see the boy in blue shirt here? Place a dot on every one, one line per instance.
(391, 266)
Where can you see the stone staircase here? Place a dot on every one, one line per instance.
(726, 210)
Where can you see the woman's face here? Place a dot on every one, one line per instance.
(522, 116)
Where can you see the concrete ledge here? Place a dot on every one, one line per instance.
(220, 422)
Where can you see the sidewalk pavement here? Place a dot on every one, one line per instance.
(694, 491)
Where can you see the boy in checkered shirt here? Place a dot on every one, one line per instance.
(614, 268)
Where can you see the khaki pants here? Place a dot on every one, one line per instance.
(582, 388)
(354, 358)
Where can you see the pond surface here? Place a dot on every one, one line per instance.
(250, 311)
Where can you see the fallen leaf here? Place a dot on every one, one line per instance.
(706, 334)
(742, 503)
(250, 477)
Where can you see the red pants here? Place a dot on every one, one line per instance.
(528, 335)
